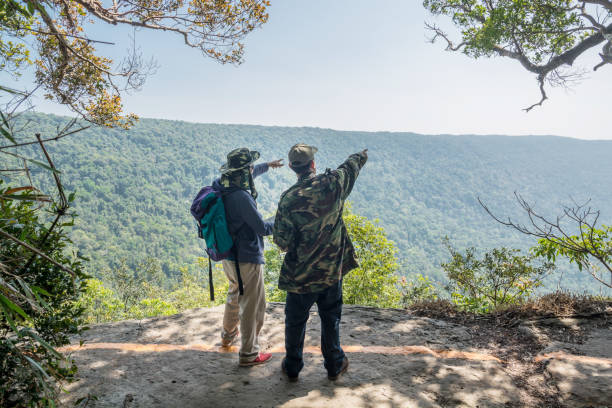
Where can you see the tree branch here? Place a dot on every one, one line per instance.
(440, 33)
(45, 140)
(542, 92)
(36, 251)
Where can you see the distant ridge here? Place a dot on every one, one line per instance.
(133, 188)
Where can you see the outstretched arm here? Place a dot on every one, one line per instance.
(260, 169)
(349, 170)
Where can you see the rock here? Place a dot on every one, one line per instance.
(397, 360)
(582, 381)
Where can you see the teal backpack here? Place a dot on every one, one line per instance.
(209, 212)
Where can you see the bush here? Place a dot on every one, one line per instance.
(38, 301)
(501, 277)
(418, 290)
(140, 293)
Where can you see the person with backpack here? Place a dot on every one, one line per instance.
(247, 228)
(310, 229)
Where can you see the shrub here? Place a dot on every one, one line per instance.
(38, 302)
(274, 260)
(417, 290)
(501, 277)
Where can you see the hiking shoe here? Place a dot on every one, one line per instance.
(290, 378)
(229, 341)
(343, 369)
(261, 358)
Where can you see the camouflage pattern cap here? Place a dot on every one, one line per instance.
(239, 159)
(300, 154)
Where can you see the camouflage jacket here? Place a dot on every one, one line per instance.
(309, 227)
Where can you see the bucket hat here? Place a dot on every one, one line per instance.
(239, 159)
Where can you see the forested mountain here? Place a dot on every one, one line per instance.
(134, 187)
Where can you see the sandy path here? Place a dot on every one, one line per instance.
(397, 360)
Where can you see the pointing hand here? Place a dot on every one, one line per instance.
(276, 163)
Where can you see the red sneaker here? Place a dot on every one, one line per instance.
(261, 358)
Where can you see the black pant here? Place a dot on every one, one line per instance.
(297, 311)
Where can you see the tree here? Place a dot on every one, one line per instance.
(544, 36)
(374, 282)
(52, 35)
(133, 285)
(39, 281)
(589, 243)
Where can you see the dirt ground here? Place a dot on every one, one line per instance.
(397, 359)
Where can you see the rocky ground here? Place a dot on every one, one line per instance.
(398, 359)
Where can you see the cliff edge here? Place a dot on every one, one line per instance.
(398, 359)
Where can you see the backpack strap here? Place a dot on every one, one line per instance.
(210, 281)
(240, 286)
(234, 249)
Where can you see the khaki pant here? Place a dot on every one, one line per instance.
(248, 310)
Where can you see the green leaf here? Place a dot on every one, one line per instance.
(29, 295)
(9, 318)
(7, 135)
(41, 300)
(37, 367)
(28, 332)
(5, 132)
(40, 290)
(44, 166)
(6, 301)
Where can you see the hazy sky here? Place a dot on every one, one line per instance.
(358, 65)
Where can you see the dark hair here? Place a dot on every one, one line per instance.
(301, 169)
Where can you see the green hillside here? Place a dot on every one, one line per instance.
(134, 187)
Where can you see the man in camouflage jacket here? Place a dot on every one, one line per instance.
(319, 252)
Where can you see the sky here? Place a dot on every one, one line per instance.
(357, 65)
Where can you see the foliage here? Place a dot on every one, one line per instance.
(274, 260)
(374, 282)
(39, 283)
(15, 20)
(68, 67)
(133, 285)
(100, 303)
(542, 35)
(134, 188)
(191, 290)
(147, 293)
(592, 243)
(38, 303)
(501, 277)
(417, 290)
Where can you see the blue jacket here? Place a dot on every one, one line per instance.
(246, 225)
